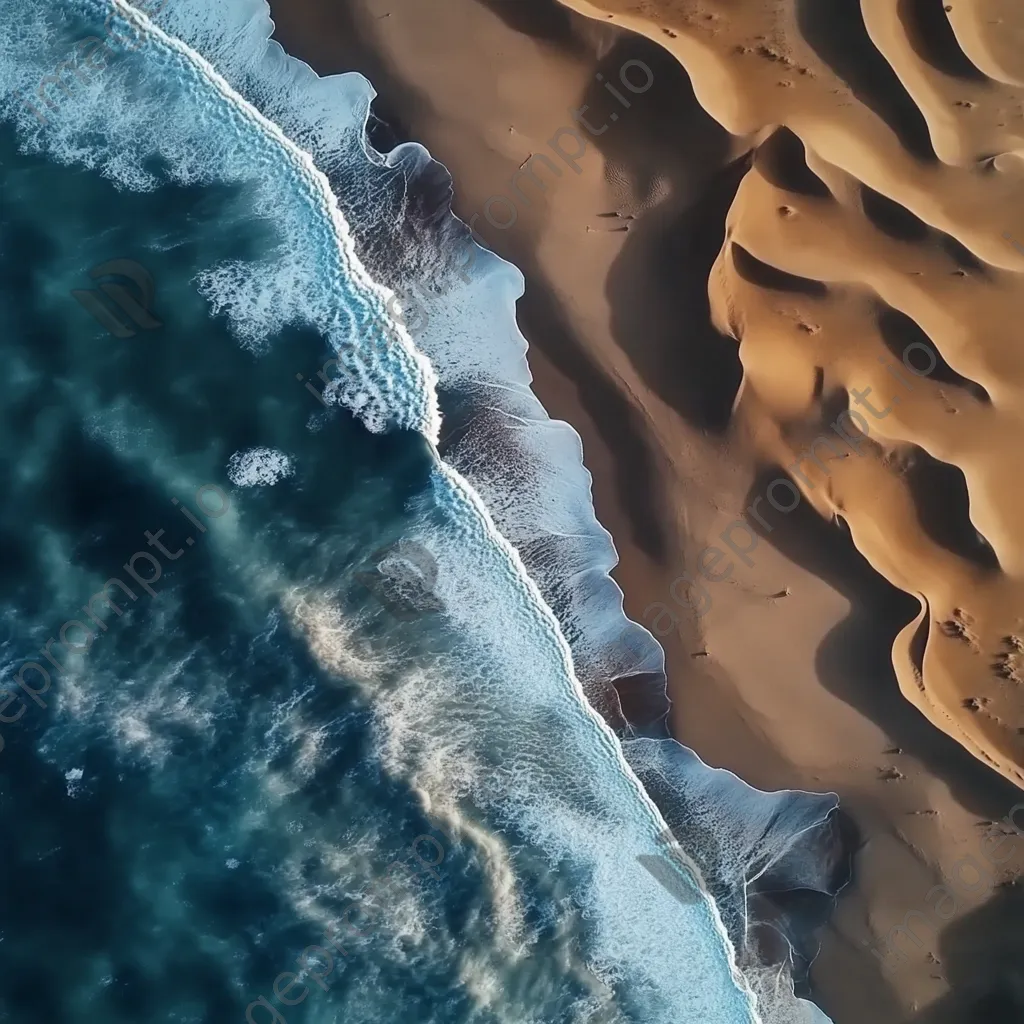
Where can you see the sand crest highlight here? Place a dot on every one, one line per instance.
(882, 211)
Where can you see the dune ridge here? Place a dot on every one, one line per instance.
(874, 256)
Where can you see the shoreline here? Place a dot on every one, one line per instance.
(667, 466)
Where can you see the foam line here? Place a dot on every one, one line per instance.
(516, 481)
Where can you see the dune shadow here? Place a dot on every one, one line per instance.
(675, 162)
(892, 218)
(764, 275)
(934, 40)
(980, 956)
(946, 522)
(905, 339)
(782, 161)
(835, 30)
(854, 661)
(544, 20)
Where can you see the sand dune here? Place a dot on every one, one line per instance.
(882, 224)
(788, 692)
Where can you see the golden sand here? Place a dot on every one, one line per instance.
(882, 222)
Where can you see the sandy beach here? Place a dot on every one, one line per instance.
(734, 219)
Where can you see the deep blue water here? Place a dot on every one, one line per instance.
(283, 672)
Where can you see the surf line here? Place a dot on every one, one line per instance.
(330, 373)
(408, 302)
(400, 305)
(103, 596)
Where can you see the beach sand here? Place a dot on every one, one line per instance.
(733, 256)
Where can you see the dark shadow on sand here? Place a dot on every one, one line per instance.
(764, 275)
(933, 39)
(836, 32)
(854, 661)
(902, 335)
(544, 20)
(658, 285)
(545, 324)
(980, 956)
(782, 161)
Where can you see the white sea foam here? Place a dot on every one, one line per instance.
(233, 108)
(201, 130)
(736, 831)
(531, 470)
(259, 467)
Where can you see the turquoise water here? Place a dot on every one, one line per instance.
(329, 745)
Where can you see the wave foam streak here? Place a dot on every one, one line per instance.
(209, 98)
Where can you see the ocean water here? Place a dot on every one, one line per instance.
(306, 625)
